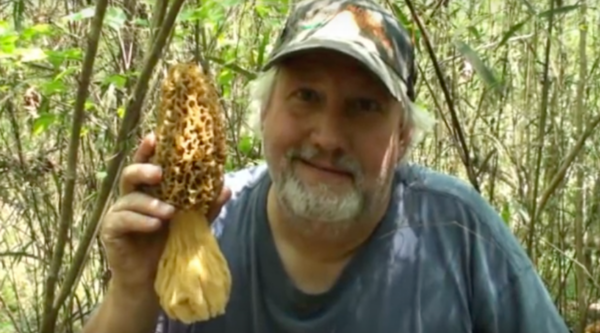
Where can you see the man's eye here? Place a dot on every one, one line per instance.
(307, 95)
(369, 105)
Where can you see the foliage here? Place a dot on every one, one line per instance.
(512, 86)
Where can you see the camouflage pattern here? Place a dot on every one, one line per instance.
(359, 28)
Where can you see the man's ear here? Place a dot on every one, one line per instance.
(405, 127)
(263, 115)
(404, 139)
(267, 105)
(406, 134)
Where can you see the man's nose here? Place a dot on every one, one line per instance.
(329, 132)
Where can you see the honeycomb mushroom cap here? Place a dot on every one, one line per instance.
(190, 136)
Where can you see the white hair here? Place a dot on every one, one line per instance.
(417, 118)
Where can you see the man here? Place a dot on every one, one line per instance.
(336, 232)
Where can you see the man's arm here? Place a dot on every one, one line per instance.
(125, 310)
(508, 294)
(523, 306)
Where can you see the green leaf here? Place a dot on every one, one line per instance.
(80, 15)
(43, 122)
(89, 105)
(227, 3)
(229, 165)
(245, 145)
(473, 30)
(224, 80)
(559, 10)
(142, 23)
(35, 31)
(413, 29)
(115, 18)
(511, 31)
(530, 7)
(484, 71)
(505, 213)
(210, 12)
(8, 41)
(5, 28)
(84, 131)
(57, 58)
(70, 70)
(262, 50)
(261, 10)
(52, 87)
(100, 175)
(32, 54)
(225, 76)
(117, 80)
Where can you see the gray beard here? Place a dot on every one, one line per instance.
(318, 203)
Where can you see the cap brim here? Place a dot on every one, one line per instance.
(390, 79)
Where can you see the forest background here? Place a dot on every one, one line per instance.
(514, 86)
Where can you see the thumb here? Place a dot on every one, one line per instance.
(218, 204)
(146, 149)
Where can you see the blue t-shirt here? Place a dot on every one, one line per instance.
(441, 260)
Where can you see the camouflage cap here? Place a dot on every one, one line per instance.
(361, 29)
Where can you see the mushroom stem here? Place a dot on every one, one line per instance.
(193, 281)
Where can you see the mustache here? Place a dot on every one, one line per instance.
(343, 162)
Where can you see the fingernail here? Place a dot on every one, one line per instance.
(168, 209)
(157, 169)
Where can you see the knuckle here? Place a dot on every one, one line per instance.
(128, 172)
(108, 226)
(120, 203)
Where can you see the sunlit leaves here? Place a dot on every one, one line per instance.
(31, 54)
(34, 31)
(114, 17)
(413, 30)
(482, 69)
(121, 112)
(83, 14)
(52, 87)
(225, 79)
(23, 46)
(43, 122)
(211, 12)
(558, 10)
(506, 213)
(7, 45)
(532, 16)
(57, 58)
(117, 80)
(511, 32)
(245, 144)
(57, 84)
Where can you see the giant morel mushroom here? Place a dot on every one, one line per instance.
(193, 281)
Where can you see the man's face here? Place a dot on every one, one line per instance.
(332, 136)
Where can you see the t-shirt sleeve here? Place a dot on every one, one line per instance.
(508, 294)
(166, 325)
(523, 306)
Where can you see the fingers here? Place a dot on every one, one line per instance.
(125, 222)
(144, 204)
(216, 207)
(141, 213)
(135, 175)
(136, 212)
(146, 149)
(140, 172)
